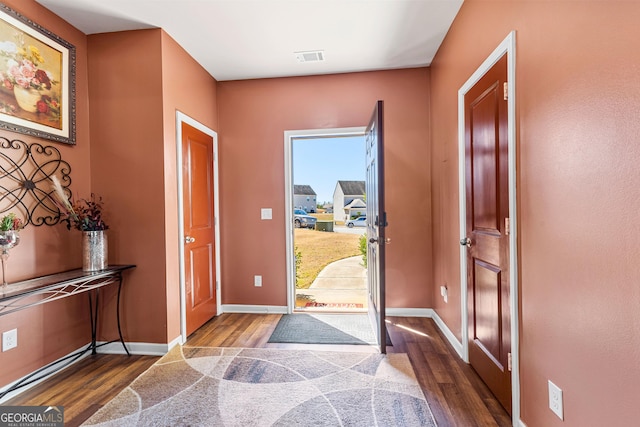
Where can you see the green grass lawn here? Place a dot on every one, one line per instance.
(319, 249)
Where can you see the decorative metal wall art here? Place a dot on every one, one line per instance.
(25, 180)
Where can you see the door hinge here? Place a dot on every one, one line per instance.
(505, 89)
(509, 361)
(507, 226)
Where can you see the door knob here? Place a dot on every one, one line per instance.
(373, 240)
(189, 239)
(466, 242)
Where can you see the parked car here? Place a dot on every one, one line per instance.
(361, 221)
(302, 220)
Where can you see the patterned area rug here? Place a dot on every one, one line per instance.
(210, 386)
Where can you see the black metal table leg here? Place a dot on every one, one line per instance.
(118, 316)
(93, 312)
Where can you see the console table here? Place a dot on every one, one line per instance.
(30, 293)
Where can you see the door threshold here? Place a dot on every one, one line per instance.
(332, 310)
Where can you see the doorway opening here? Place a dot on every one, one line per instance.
(325, 197)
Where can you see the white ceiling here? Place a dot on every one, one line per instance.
(247, 39)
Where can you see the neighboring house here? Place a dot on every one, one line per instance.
(304, 198)
(345, 193)
(356, 208)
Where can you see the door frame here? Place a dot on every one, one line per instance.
(180, 119)
(507, 47)
(289, 136)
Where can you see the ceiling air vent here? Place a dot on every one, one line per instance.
(310, 56)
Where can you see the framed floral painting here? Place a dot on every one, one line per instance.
(37, 80)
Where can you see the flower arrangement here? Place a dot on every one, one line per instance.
(11, 222)
(22, 68)
(23, 74)
(87, 215)
(83, 215)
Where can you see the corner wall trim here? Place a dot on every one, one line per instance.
(432, 314)
(254, 309)
(457, 345)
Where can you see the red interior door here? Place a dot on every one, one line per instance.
(199, 227)
(487, 240)
(376, 223)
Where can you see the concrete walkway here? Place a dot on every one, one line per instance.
(342, 282)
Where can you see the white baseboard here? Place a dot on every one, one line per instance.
(52, 368)
(177, 340)
(409, 312)
(141, 348)
(254, 309)
(457, 345)
(429, 313)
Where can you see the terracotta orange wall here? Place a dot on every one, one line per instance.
(135, 82)
(125, 88)
(138, 80)
(578, 175)
(188, 88)
(50, 331)
(253, 116)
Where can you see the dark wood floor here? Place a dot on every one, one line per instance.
(455, 394)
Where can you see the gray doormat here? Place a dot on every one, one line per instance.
(325, 329)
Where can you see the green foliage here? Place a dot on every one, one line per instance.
(11, 222)
(86, 215)
(363, 248)
(298, 256)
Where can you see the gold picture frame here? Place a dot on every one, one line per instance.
(37, 80)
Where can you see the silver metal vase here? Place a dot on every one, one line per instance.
(8, 240)
(94, 250)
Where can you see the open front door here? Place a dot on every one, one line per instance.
(376, 222)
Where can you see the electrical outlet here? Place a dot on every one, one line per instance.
(9, 339)
(257, 281)
(555, 400)
(444, 292)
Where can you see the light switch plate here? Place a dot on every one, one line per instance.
(266, 213)
(445, 293)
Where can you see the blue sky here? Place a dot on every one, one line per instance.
(322, 162)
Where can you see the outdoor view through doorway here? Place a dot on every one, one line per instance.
(329, 235)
